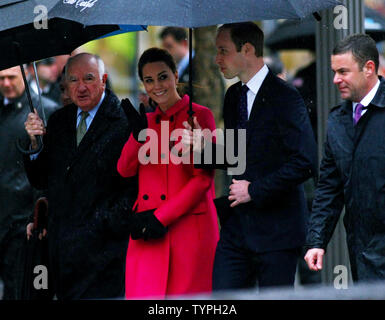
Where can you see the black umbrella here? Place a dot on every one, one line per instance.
(27, 36)
(293, 34)
(187, 13)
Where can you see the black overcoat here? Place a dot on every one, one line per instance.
(17, 197)
(88, 201)
(352, 173)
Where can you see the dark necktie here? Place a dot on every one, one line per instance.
(82, 127)
(358, 112)
(242, 108)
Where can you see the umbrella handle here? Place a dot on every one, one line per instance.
(190, 121)
(40, 213)
(29, 152)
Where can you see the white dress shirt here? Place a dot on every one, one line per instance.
(91, 113)
(367, 99)
(254, 84)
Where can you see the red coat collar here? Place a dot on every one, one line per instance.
(181, 104)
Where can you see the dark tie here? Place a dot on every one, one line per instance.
(82, 127)
(242, 108)
(357, 113)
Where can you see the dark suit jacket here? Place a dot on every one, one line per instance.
(88, 201)
(280, 155)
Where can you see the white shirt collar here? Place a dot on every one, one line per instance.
(256, 81)
(369, 97)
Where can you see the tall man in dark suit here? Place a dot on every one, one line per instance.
(88, 201)
(263, 221)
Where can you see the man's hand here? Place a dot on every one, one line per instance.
(193, 137)
(30, 229)
(314, 258)
(34, 127)
(239, 192)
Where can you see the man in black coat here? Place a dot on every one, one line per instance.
(88, 201)
(352, 172)
(263, 218)
(17, 196)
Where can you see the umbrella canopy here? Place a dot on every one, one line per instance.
(22, 41)
(301, 34)
(186, 13)
(35, 34)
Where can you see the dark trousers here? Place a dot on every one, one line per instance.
(236, 267)
(11, 270)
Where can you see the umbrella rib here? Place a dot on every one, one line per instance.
(299, 13)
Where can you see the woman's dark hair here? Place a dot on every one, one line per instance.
(155, 55)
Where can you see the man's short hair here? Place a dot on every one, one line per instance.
(362, 47)
(245, 32)
(179, 34)
(99, 61)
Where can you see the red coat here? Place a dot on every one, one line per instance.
(182, 261)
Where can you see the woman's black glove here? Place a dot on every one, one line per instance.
(146, 226)
(137, 120)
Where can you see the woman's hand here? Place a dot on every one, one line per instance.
(137, 120)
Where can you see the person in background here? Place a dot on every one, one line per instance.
(17, 196)
(276, 66)
(47, 75)
(64, 95)
(174, 40)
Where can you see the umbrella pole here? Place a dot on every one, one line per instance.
(38, 138)
(190, 88)
(39, 91)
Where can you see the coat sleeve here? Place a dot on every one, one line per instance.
(37, 169)
(298, 141)
(195, 190)
(328, 202)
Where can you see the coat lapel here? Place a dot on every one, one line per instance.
(376, 104)
(99, 125)
(347, 119)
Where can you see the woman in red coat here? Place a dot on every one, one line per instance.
(175, 229)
